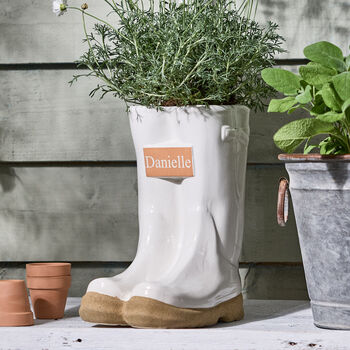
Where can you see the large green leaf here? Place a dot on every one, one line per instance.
(327, 54)
(291, 135)
(331, 98)
(281, 80)
(331, 117)
(341, 84)
(282, 105)
(316, 74)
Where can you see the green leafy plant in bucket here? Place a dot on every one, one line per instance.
(323, 89)
(178, 53)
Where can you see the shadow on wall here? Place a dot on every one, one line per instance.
(274, 281)
(269, 7)
(8, 178)
(315, 8)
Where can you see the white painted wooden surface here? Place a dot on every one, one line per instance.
(30, 32)
(268, 325)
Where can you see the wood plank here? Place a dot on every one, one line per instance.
(43, 119)
(304, 22)
(82, 273)
(68, 213)
(272, 282)
(263, 239)
(37, 35)
(282, 282)
(267, 325)
(90, 214)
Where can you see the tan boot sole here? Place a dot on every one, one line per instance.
(143, 312)
(102, 309)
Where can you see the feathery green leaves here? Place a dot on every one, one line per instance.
(195, 52)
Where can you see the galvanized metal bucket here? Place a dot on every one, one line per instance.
(320, 191)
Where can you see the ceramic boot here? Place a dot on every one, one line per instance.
(185, 273)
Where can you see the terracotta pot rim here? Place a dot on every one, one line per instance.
(16, 319)
(313, 157)
(48, 269)
(12, 281)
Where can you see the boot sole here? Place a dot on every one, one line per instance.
(141, 312)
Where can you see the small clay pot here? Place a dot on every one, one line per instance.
(14, 304)
(48, 285)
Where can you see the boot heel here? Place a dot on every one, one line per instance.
(232, 310)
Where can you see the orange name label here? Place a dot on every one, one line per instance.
(168, 161)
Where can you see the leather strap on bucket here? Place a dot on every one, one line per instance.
(282, 202)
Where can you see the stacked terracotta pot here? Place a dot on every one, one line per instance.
(48, 284)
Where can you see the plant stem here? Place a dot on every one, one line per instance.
(101, 20)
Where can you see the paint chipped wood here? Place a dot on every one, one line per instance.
(268, 325)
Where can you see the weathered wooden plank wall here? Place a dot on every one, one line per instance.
(44, 119)
(67, 164)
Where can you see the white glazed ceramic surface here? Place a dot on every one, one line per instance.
(190, 229)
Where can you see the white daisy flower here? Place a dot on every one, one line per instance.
(59, 7)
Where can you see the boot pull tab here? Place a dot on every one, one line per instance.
(282, 202)
(228, 133)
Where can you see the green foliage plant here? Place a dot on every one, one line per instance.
(178, 53)
(322, 88)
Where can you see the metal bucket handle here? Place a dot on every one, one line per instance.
(282, 201)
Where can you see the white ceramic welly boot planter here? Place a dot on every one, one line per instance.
(191, 177)
(191, 67)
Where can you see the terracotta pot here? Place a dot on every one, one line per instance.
(14, 304)
(48, 285)
(49, 295)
